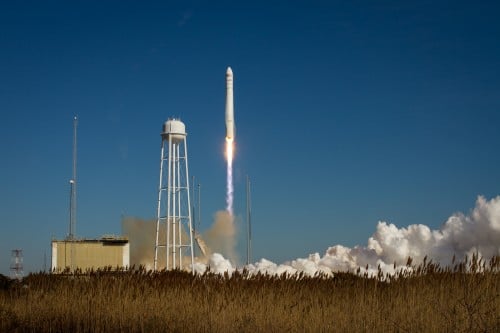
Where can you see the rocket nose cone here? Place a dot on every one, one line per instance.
(229, 71)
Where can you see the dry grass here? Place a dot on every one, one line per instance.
(430, 299)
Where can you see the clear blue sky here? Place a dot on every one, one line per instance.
(347, 113)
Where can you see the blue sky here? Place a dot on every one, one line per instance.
(347, 113)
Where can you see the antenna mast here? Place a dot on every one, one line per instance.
(72, 182)
(249, 223)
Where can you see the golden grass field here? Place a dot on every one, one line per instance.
(429, 299)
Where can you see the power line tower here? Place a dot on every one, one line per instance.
(174, 203)
(16, 264)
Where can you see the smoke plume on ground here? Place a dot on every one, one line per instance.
(141, 234)
(461, 235)
(221, 237)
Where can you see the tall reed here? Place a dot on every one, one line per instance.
(427, 298)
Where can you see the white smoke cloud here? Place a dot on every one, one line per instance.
(461, 235)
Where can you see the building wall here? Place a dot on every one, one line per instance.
(89, 254)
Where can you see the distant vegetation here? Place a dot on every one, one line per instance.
(428, 298)
(4, 282)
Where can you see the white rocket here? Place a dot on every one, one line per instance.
(229, 105)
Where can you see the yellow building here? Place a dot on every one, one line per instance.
(90, 253)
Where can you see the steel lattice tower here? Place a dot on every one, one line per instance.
(16, 264)
(174, 231)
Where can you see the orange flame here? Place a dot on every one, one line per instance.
(229, 150)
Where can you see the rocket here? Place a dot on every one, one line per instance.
(229, 105)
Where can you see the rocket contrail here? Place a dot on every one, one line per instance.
(229, 139)
(229, 194)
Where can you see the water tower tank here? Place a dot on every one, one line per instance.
(174, 130)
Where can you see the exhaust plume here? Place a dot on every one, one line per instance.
(389, 247)
(221, 237)
(230, 190)
(142, 235)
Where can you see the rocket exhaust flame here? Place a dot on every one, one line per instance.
(230, 190)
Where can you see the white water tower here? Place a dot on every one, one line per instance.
(174, 232)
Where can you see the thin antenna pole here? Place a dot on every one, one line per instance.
(249, 223)
(250, 217)
(70, 208)
(199, 205)
(72, 222)
(193, 207)
(72, 230)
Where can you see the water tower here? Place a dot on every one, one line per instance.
(174, 232)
